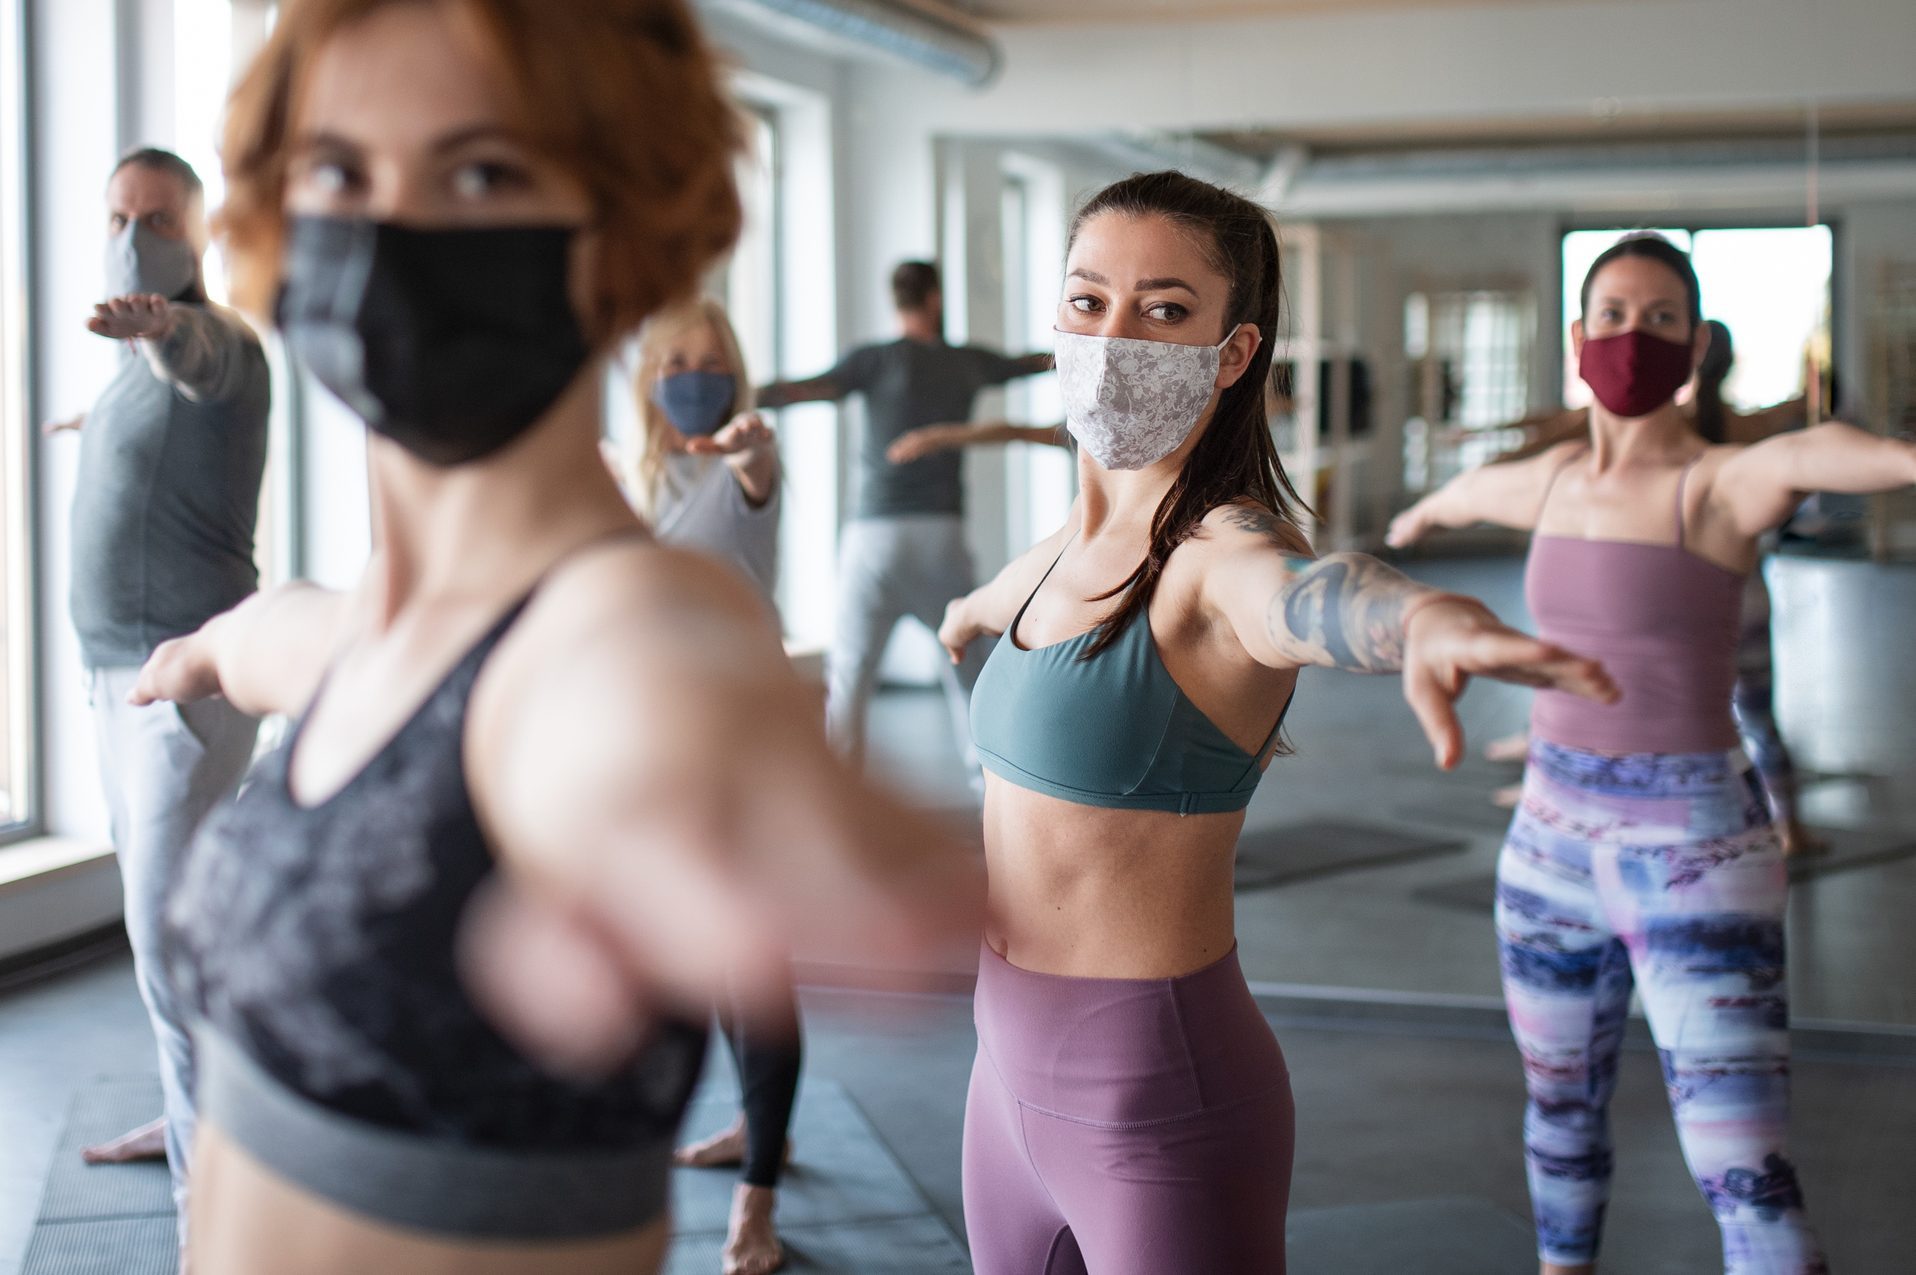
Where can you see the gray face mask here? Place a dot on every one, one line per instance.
(141, 260)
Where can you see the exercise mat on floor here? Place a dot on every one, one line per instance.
(1852, 850)
(845, 1205)
(1468, 894)
(1457, 1236)
(1268, 857)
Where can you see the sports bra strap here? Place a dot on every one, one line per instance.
(1012, 632)
(1550, 484)
(1682, 480)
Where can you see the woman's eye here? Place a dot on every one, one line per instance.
(1167, 311)
(1083, 305)
(330, 178)
(477, 180)
(118, 221)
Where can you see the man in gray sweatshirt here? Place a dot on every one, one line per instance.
(903, 552)
(171, 458)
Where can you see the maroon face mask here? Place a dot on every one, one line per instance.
(1634, 373)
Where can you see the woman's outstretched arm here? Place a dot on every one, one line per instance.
(266, 655)
(1761, 485)
(1350, 611)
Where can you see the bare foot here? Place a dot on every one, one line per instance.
(1509, 797)
(1509, 748)
(720, 1151)
(1800, 843)
(751, 1243)
(148, 1142)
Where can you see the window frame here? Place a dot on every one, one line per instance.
(21, 586)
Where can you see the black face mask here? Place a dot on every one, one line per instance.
(452, 342)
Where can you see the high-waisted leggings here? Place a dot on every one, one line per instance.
(1125, 1126)
(1659, 871)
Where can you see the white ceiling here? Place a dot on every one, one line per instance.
(1123, 10)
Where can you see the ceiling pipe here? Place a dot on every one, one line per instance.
(922, 32)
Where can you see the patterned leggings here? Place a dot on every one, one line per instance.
(1659, 871)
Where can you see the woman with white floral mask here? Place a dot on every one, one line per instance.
(1130, 1111)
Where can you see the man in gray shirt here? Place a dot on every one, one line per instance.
(171, 458)
(903, 553)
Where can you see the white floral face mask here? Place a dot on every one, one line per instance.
(1129, 402)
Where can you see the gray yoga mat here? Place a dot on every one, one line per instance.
(1454, 1236)
(845, 1205)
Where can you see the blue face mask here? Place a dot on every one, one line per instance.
(696, 403)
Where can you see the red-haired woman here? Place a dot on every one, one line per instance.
(550, 783)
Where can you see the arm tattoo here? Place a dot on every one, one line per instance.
(1263, 523)
(202, 356)
(1343, 611)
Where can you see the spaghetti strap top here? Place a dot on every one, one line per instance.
(316, 948)
(1114, 730)
(1664, 622)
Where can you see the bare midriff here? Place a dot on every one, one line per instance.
(1094, 892)
(247, 1219)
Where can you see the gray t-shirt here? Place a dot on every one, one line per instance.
(700, 506)
(909, 384)
(171, 459)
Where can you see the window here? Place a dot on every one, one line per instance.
(1469, 352)
(18, 735)
(1769, 284)
(1041, 482)
(751, 274)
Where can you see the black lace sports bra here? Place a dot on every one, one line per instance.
(319, 943)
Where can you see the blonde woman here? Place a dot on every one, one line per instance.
(705, 473)
(704, 467)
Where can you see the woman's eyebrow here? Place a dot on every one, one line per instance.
(1142, 285)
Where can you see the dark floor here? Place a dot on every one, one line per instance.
(1420, 1099)
(1385, 1115)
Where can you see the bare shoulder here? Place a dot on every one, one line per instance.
(638, 582)
(1245, 525)
(624, 649)
(624, 622)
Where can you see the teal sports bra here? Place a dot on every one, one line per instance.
(1112, 731)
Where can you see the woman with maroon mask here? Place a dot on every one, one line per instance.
(1642, 853)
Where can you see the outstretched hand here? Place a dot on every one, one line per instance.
(958, 630)
(927, 440)
(1408, 527)
(743, 433)
(1451, 640)
(180, 670)
(137, 315)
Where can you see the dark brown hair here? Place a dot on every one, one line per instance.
(1651, 247)
(154, 159)
(1709, 381)
(912, 284)
(1236, 460)
(624, 94)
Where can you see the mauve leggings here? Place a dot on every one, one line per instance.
(1125, 1126)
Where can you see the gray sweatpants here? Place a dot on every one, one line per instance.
(890, 568)
(165, 767)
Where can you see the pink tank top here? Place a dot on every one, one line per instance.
(1663, 621)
